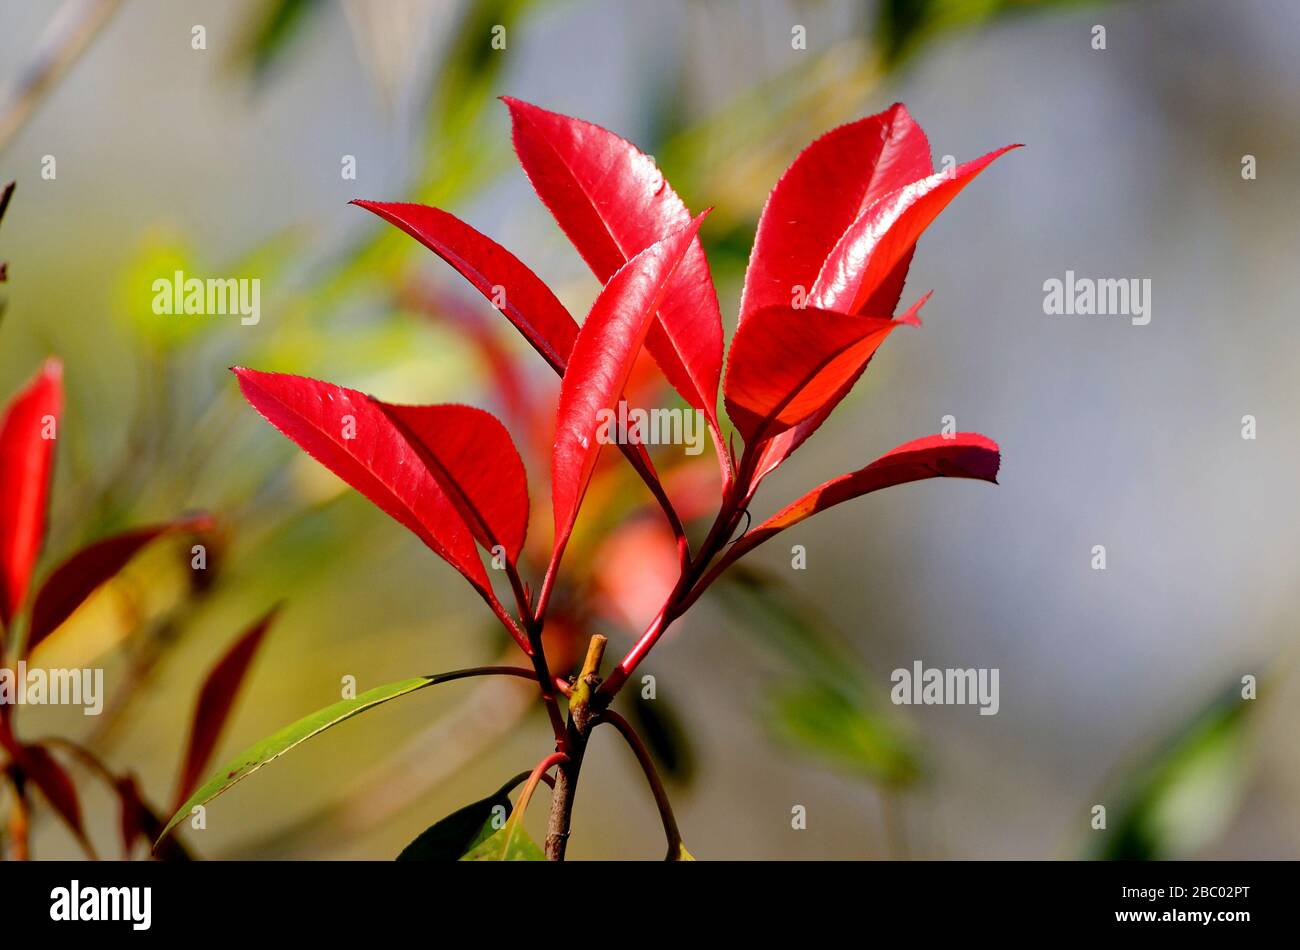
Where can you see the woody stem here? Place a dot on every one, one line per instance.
(581, 720)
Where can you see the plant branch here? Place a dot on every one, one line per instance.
(671, 831)
(74, 27)
(517, 817)
(581, 721)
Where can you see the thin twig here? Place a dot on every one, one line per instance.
(671, 831)
(70, 34)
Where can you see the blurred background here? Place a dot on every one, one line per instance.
(1118, 687)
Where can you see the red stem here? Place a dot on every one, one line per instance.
(671, 831)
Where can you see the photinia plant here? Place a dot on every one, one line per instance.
(28, 434)
(820, 296)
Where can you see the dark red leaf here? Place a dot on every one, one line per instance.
(867, 254)
(44, 771)
(138, 821)
(496, 273)
(73, 581)
(26, 457)
(216, 699)
(602, 360)
(347, 432)
(787, 364)
(613, 202)
(5, 195)
(823, 192)
(963, 455)
(471, 456)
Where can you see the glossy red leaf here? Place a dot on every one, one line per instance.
(865, 272)
(602, 360)
(45, 772)
(963, 455)
(73, 581)
(788, 364)
(473, 459)
(781, 446)
(495, 273)
(868, 253)
(26, 459)
(613, 202)
(347, 432)
(821, 194)
(216, 700)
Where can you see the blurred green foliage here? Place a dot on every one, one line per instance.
(1182, 797)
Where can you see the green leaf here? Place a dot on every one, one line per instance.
(903, 27)
(1188, 793)
(849, 734)
(463, 830)
(511, 843)
(274, 746)
(832, 706)
(270, 32)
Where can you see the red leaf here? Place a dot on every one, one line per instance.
(787, 364)
(963, 455)
(613, 202)
(376, 460)
(44, 771)
(496, 273)
(73, 581)
(471, 456)
(781, 446)
(26, 457)
(867, 254)
(823, 192)
(137, 820)
(216, 699)
(602, 361)
(865, 272)
(5, 195)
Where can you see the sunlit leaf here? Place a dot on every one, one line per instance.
(599, 368)
(511, 843)
(960, 455)
(493, 271)
(72, 582)
(786, 364)
(28, 431)
(277, 744)
(613, 202)
(823, 192)
(473, 459)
